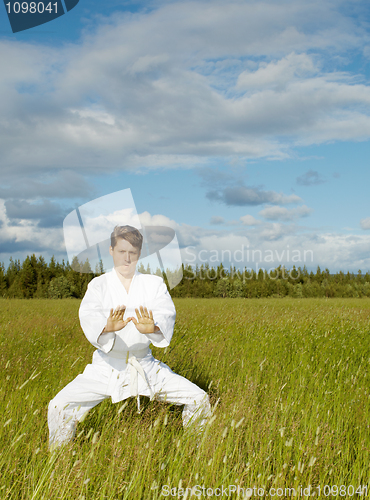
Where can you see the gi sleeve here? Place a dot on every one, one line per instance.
(93, 319)
(164, 315)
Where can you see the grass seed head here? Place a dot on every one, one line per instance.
(122, 407)
(211, 420)
(239, 423)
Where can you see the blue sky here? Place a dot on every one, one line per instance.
(237, 123)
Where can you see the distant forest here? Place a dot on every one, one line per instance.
(35, 278)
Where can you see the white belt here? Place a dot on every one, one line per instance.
(135, 369)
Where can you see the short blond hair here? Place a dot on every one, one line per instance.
(128, 233)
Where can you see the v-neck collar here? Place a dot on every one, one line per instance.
(120, 282)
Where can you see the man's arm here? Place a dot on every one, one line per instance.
(98, 325)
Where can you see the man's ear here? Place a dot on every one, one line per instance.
(111, 250)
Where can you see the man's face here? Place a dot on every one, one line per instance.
(125, 257)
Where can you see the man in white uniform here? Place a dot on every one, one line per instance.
(122, 312)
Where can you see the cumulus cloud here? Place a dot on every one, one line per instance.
(365, 223)
(243, 196)
(277, 73)
(217, 220)
(249, 220)
(22, 209)
(53, 184)
(146, 219)
(310, 178)
(274, 244)
(47, 214)
(285, 214)
(28, 236)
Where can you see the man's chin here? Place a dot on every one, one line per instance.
(126, 270)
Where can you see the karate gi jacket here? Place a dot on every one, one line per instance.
(106, 292)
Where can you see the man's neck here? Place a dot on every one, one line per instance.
(125, 279)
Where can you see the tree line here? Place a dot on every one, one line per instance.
(35, 278)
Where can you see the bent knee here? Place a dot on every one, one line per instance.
(57, 404)
(201, 398)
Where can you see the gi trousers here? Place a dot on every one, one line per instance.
(111, 377)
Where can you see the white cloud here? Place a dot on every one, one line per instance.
(26, 238)
(249, 220)
(285, 214)
(365, 223)
(310, 178)
(244, 195)
(275, 244)
(146, 219)
(217, 220)
(277, 73)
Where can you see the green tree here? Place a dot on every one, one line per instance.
(223, 288)
(60, 288)
(3, 286)
(12, 272)
(28, 277)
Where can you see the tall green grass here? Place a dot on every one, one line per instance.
(291, 378)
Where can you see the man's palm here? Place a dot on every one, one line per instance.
(145, 322)
(115, 320)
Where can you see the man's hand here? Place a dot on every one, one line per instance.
(145, 322)
(115, 320)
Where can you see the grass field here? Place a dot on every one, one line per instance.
(291, 377)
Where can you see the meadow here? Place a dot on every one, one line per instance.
(288, 379)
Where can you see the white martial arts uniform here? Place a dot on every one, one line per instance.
(123, 364)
